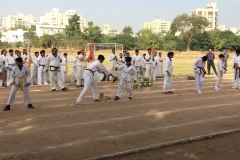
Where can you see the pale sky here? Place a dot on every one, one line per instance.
(120, 13)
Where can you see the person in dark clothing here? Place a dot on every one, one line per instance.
(210, 62)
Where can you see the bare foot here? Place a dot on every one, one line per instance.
(101, 95)
(97, 100)
(80, 103)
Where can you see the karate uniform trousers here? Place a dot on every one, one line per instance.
(89, 82)
(42, 75)
(80, 72)
(8, 76)
(4, 81)
(64, 73)
(199, 79)
(112, 68)
(159, 69)
(11, 99)
(128, 86)
(149, 71)
(57, 73)
(236, 83)
(167, 82)
(219, 80)
(74, 75)
(137, 68)
(35, 75)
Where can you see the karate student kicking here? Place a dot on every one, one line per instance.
(53, 65)
(90, 82)
(35, 69)
(20, 79)
(126, 79)
(199, 72)
(41, 61)
(220, 71)
(168, 74)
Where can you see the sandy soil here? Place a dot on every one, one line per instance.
(58, 129)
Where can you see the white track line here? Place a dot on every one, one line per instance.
(120, 135)
(161, 145)
(121, 118)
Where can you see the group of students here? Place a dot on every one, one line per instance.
(83, 75)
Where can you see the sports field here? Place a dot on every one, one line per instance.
(58, 129)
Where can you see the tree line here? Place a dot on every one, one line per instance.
(190, 30)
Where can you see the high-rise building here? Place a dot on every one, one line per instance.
(20, 19)
(55, 18)
(157, 26)
(210, 12)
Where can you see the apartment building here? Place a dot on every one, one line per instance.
(157, 26)
(210, 12)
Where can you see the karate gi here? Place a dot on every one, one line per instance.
(81, 66)
(89, 81)
(113, 63)
(10, 63)
(41, 63)
(4, 70)
(64, 69)
(24, 58)
(144, 63)
(137, 62)
(220, 71)
(168, 79)
(1, 70)
(16, 76)
(236, 59)
(198, 67)
(149, 67)
(126, 79)
(53, 65)
(35, 71)
(155, 67)
(159, 68)
(74, 70)
(121, 61)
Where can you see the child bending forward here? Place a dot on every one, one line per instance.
(19, 79)
(126, 78)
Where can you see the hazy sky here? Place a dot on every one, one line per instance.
(120, 13)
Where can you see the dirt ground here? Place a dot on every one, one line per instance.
(58, 129)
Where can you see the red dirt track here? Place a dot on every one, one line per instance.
(58, 129)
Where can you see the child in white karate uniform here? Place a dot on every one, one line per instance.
(35, 69)
(221, 70)
(126, 79)
(64, 67)
(10, 64)
(168, 74)
(199, 72)
(19, 79)
(41, 62)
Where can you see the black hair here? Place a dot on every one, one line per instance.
(170, 54)
(128, 59)
(221, 56)
(54, 48)
(144, 54)
(149, 49)
(10, 50)
(204, 58)
(65, 54)
(3, 51)
(36, 52)
(124, 51)
(18, 60)
(101, 57)
(79, 52)
(238, 50)
(113, 49)
(24, 49)
(136, 50)
(42, 51)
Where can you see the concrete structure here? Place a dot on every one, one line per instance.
(48, 29)
(158, 26)
(20, 19)
(210, 12)
(106, 28)
(12, 36)
(55, 18)
(235, 30)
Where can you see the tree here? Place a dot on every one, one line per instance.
(20, 27)
(94, 33)
(127, 30)
(72, 30)
(33, 28)
(188, 26)
(47, 41)
(128, 41)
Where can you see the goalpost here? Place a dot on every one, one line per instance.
(105, 48)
